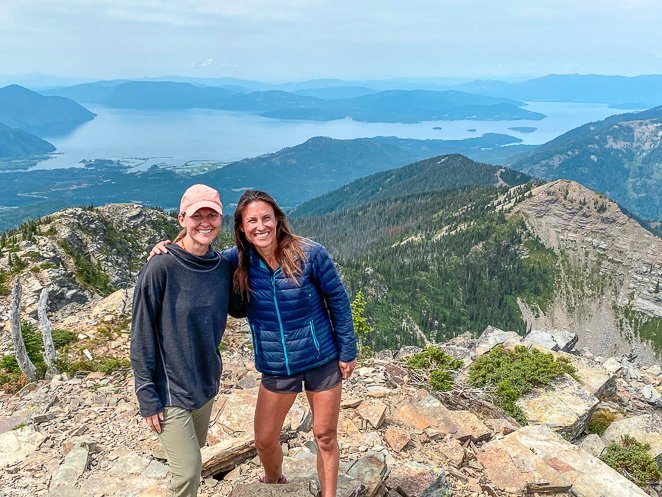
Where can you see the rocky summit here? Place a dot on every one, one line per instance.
(81, 435)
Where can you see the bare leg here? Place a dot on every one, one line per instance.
(270, 413)
(326, 409)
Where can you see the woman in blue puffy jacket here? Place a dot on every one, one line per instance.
(300, 318)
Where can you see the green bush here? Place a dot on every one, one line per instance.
(441, 380)
(433, 358)
(630, 458)
(439, 366)
(515, 372)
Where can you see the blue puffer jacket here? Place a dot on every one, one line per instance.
(297, 328)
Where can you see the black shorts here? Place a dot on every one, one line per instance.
(317, 379)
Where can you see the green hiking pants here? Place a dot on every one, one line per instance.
(183, 434)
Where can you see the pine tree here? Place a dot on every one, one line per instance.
(361, 327)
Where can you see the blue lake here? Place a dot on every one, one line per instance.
(183, 136)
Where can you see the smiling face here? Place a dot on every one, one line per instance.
(201, 229)
(258, 222)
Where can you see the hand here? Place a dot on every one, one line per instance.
(159, 248)
(346, 368)
(154, 422)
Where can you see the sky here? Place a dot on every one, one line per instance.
(296, 40)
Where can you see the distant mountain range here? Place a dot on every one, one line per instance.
(620, 156)
(40, 115)
(620, 91)
(16, 143)
(362, 105)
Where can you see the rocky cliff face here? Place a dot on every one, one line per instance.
(81, 254)
(609, 271)
(619, 156)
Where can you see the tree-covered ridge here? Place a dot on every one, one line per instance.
(460, 264)
(16, 143)
(433, 250)
(620, 156)
(436, 174)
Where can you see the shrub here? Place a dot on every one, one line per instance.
(438, 365)
(441, 380)
(630, 458)
(433, 358)
(515, 372)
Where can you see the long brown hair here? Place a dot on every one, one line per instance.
(289, 247)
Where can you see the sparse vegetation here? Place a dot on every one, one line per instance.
(10, 373)
(88, 273)
(512, 373)
(600, 421)
(105, 365)
(630, 458)
(437, 365)
(4, 283)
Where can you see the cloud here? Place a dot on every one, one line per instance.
(206, 63)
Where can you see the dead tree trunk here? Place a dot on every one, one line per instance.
(22, 358)
(45, 325)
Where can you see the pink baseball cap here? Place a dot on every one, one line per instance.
(199, 196)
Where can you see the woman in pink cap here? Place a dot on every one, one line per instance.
(179, 313)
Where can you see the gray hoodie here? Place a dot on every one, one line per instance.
(180, 307)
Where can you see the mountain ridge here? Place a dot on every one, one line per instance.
(27, 110)
(620, 156)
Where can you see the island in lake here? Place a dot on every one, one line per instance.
(524, 129)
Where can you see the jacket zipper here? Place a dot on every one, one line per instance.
(312, 332)
(280, 322)
(254, 341)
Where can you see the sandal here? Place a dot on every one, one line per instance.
(281, 480)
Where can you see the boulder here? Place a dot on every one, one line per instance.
(612, 365)
(72, 467)
(425, 411)
(564, 406)
(652, 395)
(592, 444)
(16, 445)
(492, 337)
(541, 338)
(370, 471)
(413, 479)
(566, 340)
(536, 459)
(646, 429)
(592, 375)
(373, 411)
(396, 438)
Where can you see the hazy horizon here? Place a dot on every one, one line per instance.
(292, 40)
